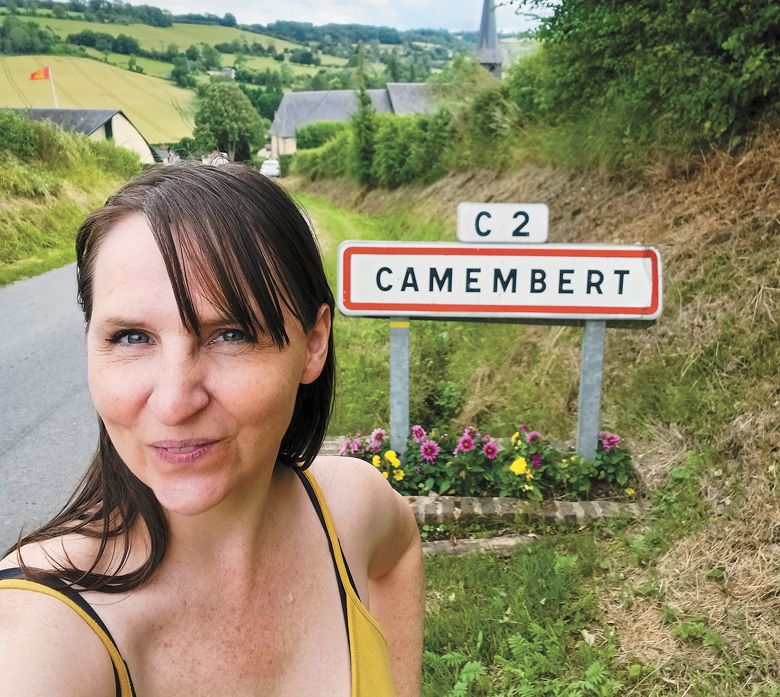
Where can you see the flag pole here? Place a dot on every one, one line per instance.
(53, 90)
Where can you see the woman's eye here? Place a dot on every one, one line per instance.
(130, 337)
(232, 335)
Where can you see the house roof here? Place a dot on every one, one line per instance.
(85, 121)
(301, 108)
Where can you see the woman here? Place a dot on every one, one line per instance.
(209, 551)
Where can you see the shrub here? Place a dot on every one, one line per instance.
(329, 160)
(316, 134)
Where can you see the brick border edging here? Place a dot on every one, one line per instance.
(447, 509)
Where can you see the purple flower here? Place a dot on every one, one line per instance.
(490, 449)
(430, 450)
(375, 440)
(523, 428)
(345, 445)
(533, 435)
(355, 446)
(536, 460)
(418, 433)
(609, 440)
(465, 444)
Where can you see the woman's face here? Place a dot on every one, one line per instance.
(199, 420)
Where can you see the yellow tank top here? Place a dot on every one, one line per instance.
(369, 661)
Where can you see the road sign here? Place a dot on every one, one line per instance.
(551, 281)
(491, 223)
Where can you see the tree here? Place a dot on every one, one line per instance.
(182, 73)
(227, 120)
(364, 127)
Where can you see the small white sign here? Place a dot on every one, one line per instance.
(551, 281)
(512, 223)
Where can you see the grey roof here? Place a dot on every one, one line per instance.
(488, 51)
(301, 108)
(411, 98)
(84, 121)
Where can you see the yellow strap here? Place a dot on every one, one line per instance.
(113, 652)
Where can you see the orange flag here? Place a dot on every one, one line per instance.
(40, 74)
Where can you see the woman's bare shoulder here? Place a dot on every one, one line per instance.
(48, 649)
(365, 508)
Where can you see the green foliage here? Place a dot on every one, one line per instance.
(285, 161)
(364, 134)
(520, 634)
(227, 120)
(474, 464)
(316, 134)
(20, 36)
(329, 160)
(410, 148)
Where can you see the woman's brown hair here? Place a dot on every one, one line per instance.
(241, 239)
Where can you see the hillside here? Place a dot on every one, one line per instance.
(183, 35)
(691, 595)
(162, 112)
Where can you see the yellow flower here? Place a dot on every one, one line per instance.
(515, 436)
(398, 475)
(519, 466)
(376, 461)
(529, 475)
(385, 475)
(392, 457)
(630, 491)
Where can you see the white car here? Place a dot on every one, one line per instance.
(270, 168)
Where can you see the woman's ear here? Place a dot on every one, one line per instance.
(317, 341)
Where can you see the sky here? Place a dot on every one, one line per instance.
(402, 14)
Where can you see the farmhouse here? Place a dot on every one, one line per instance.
(301, 108)
(100, 124)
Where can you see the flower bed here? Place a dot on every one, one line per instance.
(476, 464)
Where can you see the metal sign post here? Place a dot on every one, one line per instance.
(399, 384)
(591, 373)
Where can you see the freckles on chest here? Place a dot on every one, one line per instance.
(289, 633)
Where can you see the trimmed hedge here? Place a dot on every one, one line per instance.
(317, 134)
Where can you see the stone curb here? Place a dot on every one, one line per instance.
(436, 510)
(500, 546)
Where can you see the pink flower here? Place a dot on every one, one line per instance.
(375, 440)
(490, 449)
(465, 444)
(418, 433)
(345, 444)
(609, 440)
(430, 450)
(355, 446)
(533, 435)
(536, 460)
(523, 428)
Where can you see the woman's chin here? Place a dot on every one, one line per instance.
(189, 498)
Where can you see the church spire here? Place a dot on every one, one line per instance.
(488, 51)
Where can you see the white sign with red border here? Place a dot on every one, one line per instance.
(550, 281)
(508, 223)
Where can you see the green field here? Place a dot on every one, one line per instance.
(150, 66)
(159, 38)
(162, 112)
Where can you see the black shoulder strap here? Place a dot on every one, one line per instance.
(61, 587)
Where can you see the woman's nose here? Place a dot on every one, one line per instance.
(178, 392)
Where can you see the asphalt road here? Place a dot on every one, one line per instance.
(49, 429)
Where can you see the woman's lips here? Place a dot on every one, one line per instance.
(183, 452)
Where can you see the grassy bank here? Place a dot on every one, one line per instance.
(687, 601)
(49, 181)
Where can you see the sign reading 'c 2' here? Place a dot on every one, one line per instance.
(551, 281)
(512, 223)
